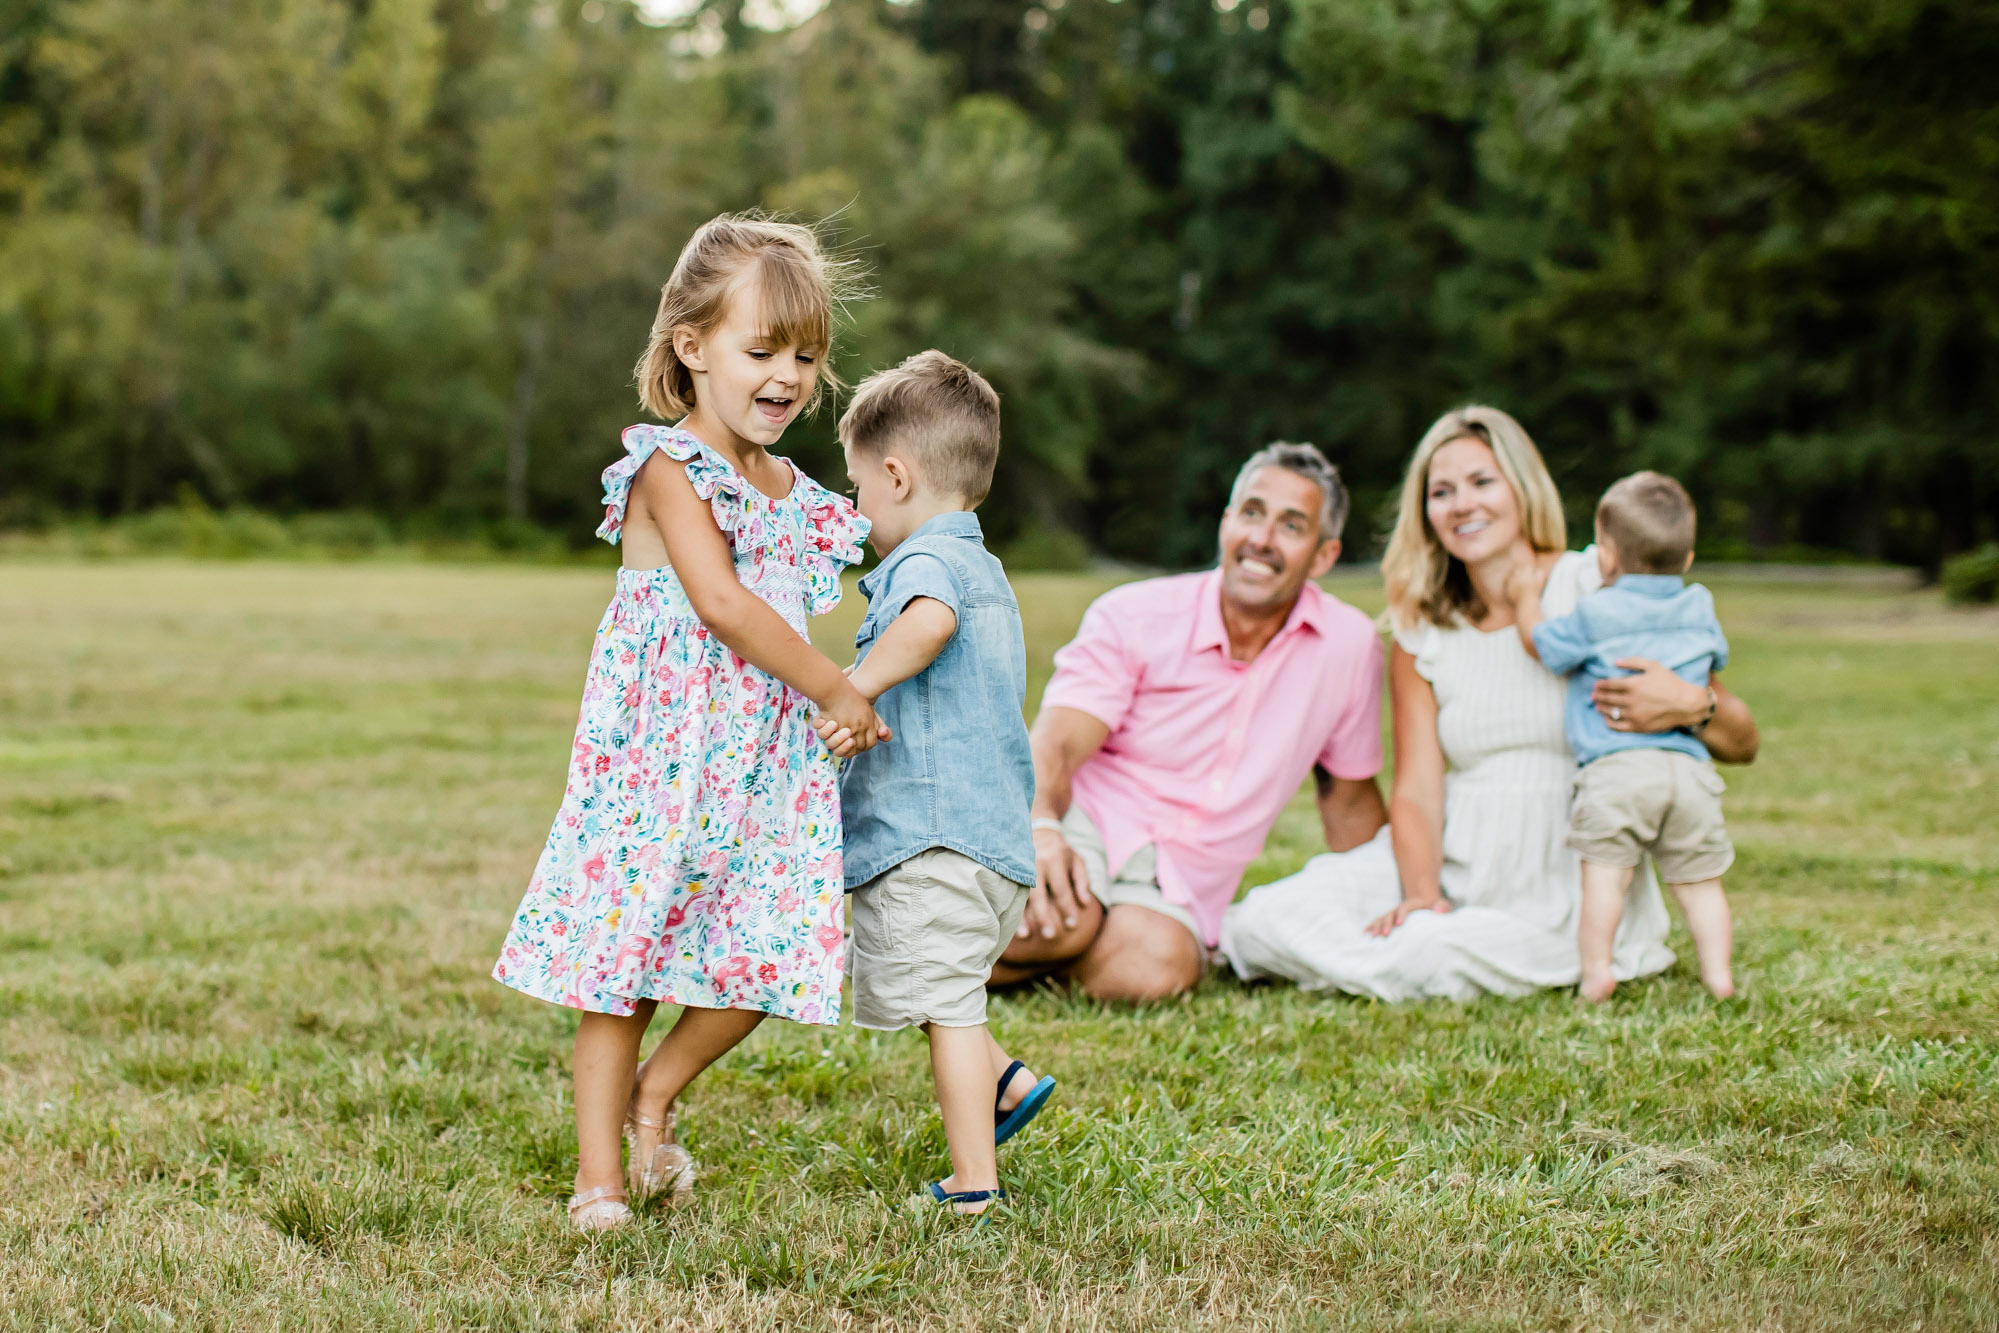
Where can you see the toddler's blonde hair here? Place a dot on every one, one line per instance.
(1424, 581)
(797, 287)
(938, 411)
(1649, 518)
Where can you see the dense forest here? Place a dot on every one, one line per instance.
(398, 256)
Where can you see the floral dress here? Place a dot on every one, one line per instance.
(696, 857)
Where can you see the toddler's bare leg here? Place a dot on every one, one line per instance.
(699, 1038)
(1603, 908)
(607, 1054)
(1713, 931)
(961, 1063)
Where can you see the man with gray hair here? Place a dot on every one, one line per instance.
(1179, 723)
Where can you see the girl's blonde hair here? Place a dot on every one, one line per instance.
(1424, 581)
(797, 285)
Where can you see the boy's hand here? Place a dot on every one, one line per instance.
(1526, 583)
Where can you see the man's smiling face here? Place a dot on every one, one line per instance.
(1270, 542)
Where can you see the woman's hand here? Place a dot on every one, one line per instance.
(1382, 925)
(1654, 699)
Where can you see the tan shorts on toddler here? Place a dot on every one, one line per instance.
(1631, 803)
(926, 936)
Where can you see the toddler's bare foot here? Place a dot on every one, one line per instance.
(1017, 1087)
(1721, 985)
(1597, 986)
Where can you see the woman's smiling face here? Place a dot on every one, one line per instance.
(1470, 504)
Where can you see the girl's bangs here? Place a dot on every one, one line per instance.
(793, 307)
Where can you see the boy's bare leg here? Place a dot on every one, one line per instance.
(699, 1038)
(961, 1063)
(1603, 908)
(1023, 1083)
(1713, 930)
(607, 1056)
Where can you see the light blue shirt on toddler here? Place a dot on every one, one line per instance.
(1660, 616)
(956, 773)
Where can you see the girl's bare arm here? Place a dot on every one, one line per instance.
(701, 558)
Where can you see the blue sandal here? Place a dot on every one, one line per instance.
(1006, 1124)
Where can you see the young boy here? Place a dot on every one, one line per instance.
(939, 854)
(1639, 793)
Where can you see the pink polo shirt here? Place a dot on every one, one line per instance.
(1204, 751)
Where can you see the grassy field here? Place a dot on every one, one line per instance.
(262, 826)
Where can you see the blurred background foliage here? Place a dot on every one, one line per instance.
(386, 264)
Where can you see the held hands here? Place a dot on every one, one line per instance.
(1060, 881)
(847, 722)
(1382, 925)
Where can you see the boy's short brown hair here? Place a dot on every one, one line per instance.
(1649, 517)
(938, 413)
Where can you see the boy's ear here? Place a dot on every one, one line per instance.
(687, 346)
(901, 477)
(1690, 563)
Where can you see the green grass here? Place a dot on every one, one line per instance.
(262, 826)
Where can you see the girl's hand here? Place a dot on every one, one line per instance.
(847, 722)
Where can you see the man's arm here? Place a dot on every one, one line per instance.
(1062, 741)
(1350, 809)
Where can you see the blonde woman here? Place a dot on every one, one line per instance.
(1471, 888)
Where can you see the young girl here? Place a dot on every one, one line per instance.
(696, 857)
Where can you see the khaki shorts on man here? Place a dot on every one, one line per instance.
(1136, 883)
(925, 937)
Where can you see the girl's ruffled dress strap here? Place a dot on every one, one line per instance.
(710, 476)
(834, 533)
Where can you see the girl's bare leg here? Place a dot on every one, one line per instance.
(607, 1054)
(1713, 930)
(699, 1038)
(1603, 908)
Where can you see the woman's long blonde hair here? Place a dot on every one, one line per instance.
(1424, 581)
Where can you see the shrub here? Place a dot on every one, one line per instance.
(1973, 577)
(1039, 547)
(345, 532)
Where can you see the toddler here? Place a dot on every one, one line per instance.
(939, 854)
(1639, 793)
(696, 858)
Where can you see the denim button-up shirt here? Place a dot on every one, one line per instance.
(1659, 616)
(957, 773)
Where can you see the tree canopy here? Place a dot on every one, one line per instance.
(400, 255)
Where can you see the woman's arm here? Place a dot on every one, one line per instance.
(1416, 802)
(1655, 699)
(701, 558)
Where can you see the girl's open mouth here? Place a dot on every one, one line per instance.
(774, 410)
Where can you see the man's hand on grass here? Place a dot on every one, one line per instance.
(1060, 881)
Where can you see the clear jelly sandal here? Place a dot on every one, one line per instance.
(601, 1209)
(664, 1166)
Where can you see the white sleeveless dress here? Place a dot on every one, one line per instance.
(1513, 882)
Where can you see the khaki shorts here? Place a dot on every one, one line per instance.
(1662, 802)
(926, 936)
(1136, 883)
